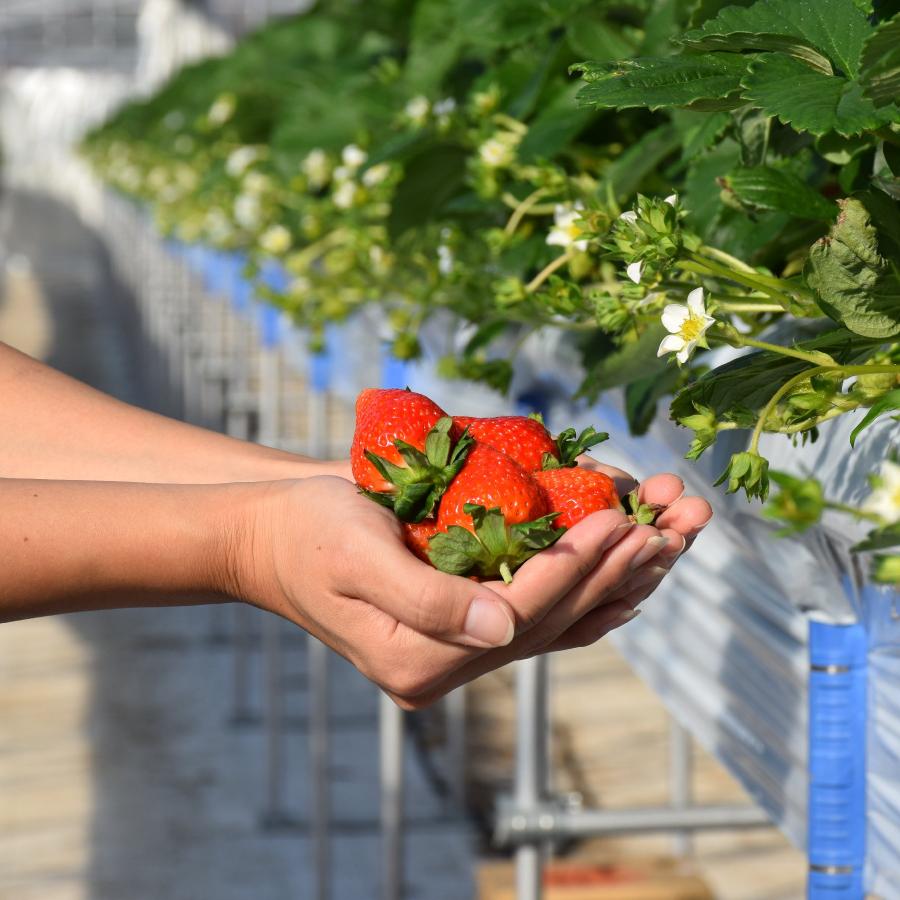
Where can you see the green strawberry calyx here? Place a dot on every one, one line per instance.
(494, 548)
(571, 445)
(421, 482)
(641, 513)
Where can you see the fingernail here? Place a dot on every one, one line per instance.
(698, 528)
(617, 534)
(488, 623)
(627, 616)
(648, 575)
(673, 551)
(648, 551)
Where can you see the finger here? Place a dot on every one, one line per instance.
(625, 481)
(595, 625)
(427, 601)
(618, 565)
(688, 516)
(661, 490)
(549, 576)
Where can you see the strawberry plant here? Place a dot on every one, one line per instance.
(699, 199)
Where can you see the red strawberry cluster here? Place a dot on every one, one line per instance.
(476, 496)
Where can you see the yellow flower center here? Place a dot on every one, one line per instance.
(573, 231)
(692, 328)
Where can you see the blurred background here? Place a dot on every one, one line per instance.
(210, 754)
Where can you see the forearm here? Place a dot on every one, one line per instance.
(55, 427)
(67, 546)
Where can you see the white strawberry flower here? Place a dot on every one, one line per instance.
(344, 195)
(240, 160)
(353, 156)
(222, 110)
(672, 199)
(316, 167)
(629, 216)
(376, 174)
(686, 324)
(445, 107)
(276, 240)
(497, 152)
(446, 259)
(566, 231)
(247, 211)
(884, 501)
(634, 271)
(417, 109)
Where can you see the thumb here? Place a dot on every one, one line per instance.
(442, 606)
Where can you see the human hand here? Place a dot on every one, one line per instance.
(317, 553)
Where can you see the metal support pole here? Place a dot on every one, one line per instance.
(319, 741)
(275, 815)
(455, 717)
(528, 826)
(531, 768)
(391, 725)
(681, 775)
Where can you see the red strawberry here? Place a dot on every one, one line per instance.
(524, 439)
(417, 535)
(491, 518)
(576, 493)
(405, 451)
(527, 441)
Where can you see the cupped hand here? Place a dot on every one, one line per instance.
(319, 554)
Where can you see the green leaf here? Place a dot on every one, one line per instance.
(430, 180)
(818, 33)
(888, 403)
(710, 82)
(737, 391)
(623, 176)
(698, 131)
(808, 100)
(752, 128)
(881, 538)
(763, 187)
(856, 285)
(642, 397)
(880, 64)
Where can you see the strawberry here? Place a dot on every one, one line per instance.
(522, 438)
(416, 535)
(405, 451)
(576, 493)
(527, 441)
(491, 518)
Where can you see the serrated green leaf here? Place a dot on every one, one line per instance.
(657, 83)
(455, 551)
(856, 285)
(887, 403)
(818, 33)
(752, 128)
(879, 70)
(698, 130)
(808, 100)
(763, 187)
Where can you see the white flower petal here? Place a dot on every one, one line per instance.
(581, 245)
(672, 199)
(633, 271)
(695, 302)
(629, 216)
(671, 343)
(674, 316)
(684, 355)
(558, 238)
